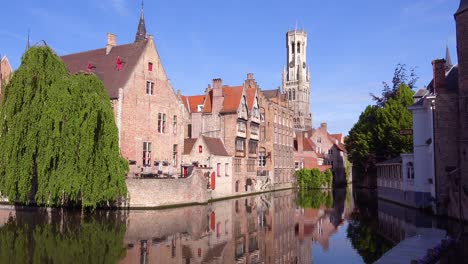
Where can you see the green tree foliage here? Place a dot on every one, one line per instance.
(376, 136)
(365, 238)
(58, 136)
(314, 179)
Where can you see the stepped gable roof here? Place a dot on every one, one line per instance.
(105, 66)
(393, 161)
(192, 102)
(250, 94)
(451, 81)
(271, 93)
(215, 146)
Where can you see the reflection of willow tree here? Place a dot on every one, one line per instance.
(315, 199)
(92, 241)
(362, 228)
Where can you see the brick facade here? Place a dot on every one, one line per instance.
(150, 116)
(317, 148)
(244, 119)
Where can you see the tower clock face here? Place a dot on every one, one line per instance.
(291, 64)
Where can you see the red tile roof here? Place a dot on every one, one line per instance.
(207, 108)
(309, 145)
(105, 66)
(192, 102)
(232, 98)
(339, 137)
(250, 94)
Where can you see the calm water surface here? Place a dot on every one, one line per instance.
(282, 227)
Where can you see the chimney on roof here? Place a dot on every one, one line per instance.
(111, 42)
(218, 98)
(438, 71)
(323, 126)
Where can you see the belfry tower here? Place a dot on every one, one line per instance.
(296, 78)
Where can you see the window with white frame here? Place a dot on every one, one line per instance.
(410, 171)
(241, 126)
(149, 87)
(240, 145)
(146, 154)
(161, 123)
(174, 125)
(262, 158)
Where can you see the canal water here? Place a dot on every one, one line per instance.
(342, 226)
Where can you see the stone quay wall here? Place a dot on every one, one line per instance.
(146, 193)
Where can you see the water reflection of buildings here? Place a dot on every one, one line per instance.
(256, 229)
(397, 222)
(319, 224)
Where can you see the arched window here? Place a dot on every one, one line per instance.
(289, 94)
(298, 47)
(294, 94)
(293, 47)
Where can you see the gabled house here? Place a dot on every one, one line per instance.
(317, 148)
(210, 156)
(150, 116)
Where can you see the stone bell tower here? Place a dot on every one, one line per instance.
(296, 78)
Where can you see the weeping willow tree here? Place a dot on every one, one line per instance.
(91, 241)
(58, 138)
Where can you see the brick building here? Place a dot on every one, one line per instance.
(149, 115)
(210, 156)
(317, 148)
(278, 137)
(260, 144)
(5, 72)
(446, 97)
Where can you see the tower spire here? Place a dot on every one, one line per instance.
(448, 59)
(141, 31)
(28, 45)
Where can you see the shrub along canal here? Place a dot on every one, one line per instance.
(343, 226)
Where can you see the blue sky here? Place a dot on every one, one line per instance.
(352, 45)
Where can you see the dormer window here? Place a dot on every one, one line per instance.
(91, 67)
(200, 108)
(150, 66)
(119, 64)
